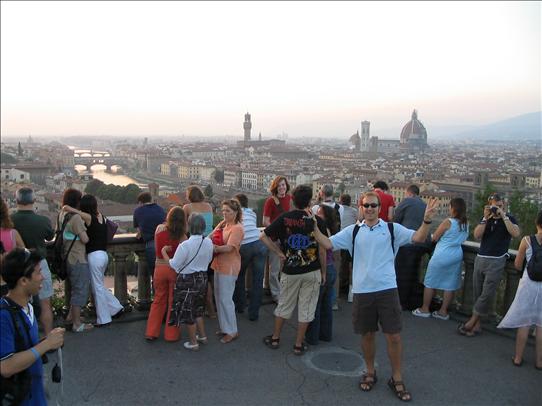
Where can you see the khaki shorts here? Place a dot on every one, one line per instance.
(371, 309)
(301, 290)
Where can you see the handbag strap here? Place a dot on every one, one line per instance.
(194, 257)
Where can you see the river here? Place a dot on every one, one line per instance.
(98, 172)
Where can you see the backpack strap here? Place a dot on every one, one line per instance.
(356, 230)
(16, 317)
(392, 234)
(67, 218)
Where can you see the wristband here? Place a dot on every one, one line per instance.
(427, 222)
(482, 222)
(506, 218)
(36, 353)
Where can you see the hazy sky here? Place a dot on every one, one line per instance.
(305, 68)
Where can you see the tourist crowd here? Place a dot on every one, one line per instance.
(306, 255)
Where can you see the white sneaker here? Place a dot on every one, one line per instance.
(437, 315)
(418, 313)
(192, 347)
(202, 340)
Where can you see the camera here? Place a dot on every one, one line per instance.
(309, 224)
(494, 209)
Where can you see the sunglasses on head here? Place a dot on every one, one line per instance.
(367, 205)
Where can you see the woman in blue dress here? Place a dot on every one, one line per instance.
(444, 269)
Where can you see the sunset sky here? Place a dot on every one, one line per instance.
(305, 68)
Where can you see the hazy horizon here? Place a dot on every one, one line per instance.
(304, 68)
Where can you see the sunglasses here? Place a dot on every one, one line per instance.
(373, 205)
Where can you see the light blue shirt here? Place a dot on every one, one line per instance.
(373, 268)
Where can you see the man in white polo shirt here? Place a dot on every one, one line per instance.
(376, 300)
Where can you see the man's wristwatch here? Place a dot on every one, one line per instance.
(426, 222)
(483, 221)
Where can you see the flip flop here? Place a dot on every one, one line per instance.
(83, 328)
(461, 329)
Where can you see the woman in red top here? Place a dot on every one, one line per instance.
(171, 234)
(279, 202)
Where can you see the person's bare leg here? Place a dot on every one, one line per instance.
(473, 322)
(211, 311)
(191, 328)
(279, 322)
(538, 346)
(76, 316)
(46, 317)
(369, 349)
(428, 294)
(395, 352)
(447, 300)
(301, 330)
(201, 327)
(521, 340)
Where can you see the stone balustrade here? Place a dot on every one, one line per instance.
(125, 246)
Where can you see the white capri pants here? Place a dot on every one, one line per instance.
(107, 304)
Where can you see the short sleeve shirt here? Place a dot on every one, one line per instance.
(7, 349)
(298, 245)
(74, 228)
(147, 217)
(496, 238)
(386, 201)
(272, 210)
(229, 263)
(34, 229)
(373, 267)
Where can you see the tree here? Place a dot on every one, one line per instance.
(525, 213)
(7, 158)
(19, 149)
(208, 191)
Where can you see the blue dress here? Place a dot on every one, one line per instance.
(444, 269)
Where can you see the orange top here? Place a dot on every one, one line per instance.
(229, 263)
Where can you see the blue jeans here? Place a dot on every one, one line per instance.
(150, 255)
(254, 255)
(321, 328)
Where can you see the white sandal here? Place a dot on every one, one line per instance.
(192, 347)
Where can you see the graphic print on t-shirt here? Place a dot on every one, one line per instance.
(301, 249)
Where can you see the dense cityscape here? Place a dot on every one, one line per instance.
(248, 163)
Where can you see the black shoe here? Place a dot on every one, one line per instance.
(119, 314)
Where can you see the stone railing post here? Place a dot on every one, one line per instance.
(470, 250)
(120, 280)
(143, 280)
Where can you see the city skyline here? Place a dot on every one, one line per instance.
(307, 69)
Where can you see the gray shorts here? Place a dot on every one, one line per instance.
(79, 275)
(46, 290)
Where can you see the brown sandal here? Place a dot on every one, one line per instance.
(369, 380)
(403, 394)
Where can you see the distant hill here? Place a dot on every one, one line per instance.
(524, 127)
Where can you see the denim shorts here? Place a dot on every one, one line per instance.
(46, 290)
(79, 275)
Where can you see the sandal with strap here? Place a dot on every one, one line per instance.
(300, 349)
(271, 342)
(403, 394)
(369, 380)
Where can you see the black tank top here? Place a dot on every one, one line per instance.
(97, 235)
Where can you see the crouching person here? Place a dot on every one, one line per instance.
(21, 368)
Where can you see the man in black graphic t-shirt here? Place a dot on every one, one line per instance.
(304, 265)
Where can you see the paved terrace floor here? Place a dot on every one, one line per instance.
(116, 366)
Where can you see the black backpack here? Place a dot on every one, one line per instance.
(355, 232)
(338, 213)
(15, 389)
(534, 266)
(59, 261)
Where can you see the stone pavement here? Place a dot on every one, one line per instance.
(116, 366)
